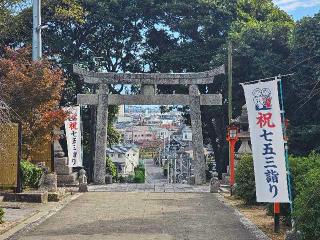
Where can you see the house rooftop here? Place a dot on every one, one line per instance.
(121, 148)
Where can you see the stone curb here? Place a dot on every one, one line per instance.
(253, 229)
(15, 232)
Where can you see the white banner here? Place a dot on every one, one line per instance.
(267, 141)
(73, 134)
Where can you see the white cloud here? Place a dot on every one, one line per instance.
(290, 5)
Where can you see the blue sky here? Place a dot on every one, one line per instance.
(299, 8)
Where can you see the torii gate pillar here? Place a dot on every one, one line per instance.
(197, 136)
(99, 169)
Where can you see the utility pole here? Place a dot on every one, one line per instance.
(171, 169)
(229, 81)
(189, 168)
(181, 172)
(168, 170)
(175, 170)
(36, 31)
(230, 96)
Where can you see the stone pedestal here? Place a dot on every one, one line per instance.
(108, 179)
(48, 182)
(191, 180)
(293, 235)
(148, 90)
(214, 185)
(65, 176)
(83, 184)
(225, 179)
(56, 196)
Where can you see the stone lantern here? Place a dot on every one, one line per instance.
(244, 134)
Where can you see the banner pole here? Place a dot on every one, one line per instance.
(286, 147)
(276, 211)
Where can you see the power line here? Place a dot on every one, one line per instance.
(265, 79)
(309, 98)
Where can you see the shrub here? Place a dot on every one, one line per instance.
(126, 179)
(245, 188)
(165, 172)
(130, 178)
(121, 179)
(139, 175)
(111, 168)
(1, 215)
(307, 206)
(300, 167)
(31, 174)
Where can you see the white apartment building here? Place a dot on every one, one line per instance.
(186, 134)
(138, 134)
(125, 157)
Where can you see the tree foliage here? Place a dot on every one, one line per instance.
(303, 90)
(33, 90)
(186, 35)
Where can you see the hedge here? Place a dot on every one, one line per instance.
(31, 174)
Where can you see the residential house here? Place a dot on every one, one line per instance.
(125, 157)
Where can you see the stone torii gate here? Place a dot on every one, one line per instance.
(148, 96)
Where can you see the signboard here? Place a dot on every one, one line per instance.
(73, 135)
(9, 147)
(267, 141)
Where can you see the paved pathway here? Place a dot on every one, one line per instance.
(155, 182)
(154, 173)
(146, 187)
(142, 216)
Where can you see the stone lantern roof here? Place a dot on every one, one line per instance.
(243, 119)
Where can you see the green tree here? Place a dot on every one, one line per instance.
(260, 32)
(303, 90)
(184, 35)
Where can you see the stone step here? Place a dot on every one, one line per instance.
(31, 197)
(224, 189)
